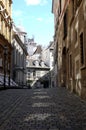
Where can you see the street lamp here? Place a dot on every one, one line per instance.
(5, 55)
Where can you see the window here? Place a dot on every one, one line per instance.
(75, 35)
(65, 25)
(28, 74)
(81, 49)
(73, 7)
(38, 74)
(34, 73)
(59, 6)
(79, 2)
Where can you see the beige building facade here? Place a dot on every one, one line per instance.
(5, 37)
(70, 31)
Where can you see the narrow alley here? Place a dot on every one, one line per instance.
(41, 109)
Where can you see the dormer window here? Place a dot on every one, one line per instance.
(42, 63)
(36, 63)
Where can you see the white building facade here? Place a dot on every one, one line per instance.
(37, 69)
(19, 56)
(48, 58)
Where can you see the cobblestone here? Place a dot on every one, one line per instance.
(41, 109)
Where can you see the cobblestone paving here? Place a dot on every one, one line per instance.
(41, 109)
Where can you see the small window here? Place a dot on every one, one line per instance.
(75, 36)
(59, 11)
(79, 2)
(60, 6)
(34, 73)
(65, 25)
(81, 49)
(28, 74)
(73, 7)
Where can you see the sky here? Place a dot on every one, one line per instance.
(36, 17)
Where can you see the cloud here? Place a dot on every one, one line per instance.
(40, 19)
(36, 2)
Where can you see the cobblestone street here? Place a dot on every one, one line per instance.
(41, 109)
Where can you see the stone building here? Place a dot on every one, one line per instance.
(19, 54)
(36, 67)
(5, 38)
(55, 10)
(48, 58)
(70, 31)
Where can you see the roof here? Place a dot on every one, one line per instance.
(20, 43)
(33, 61)
(38, 50)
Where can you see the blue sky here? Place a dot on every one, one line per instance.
(36, 18)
